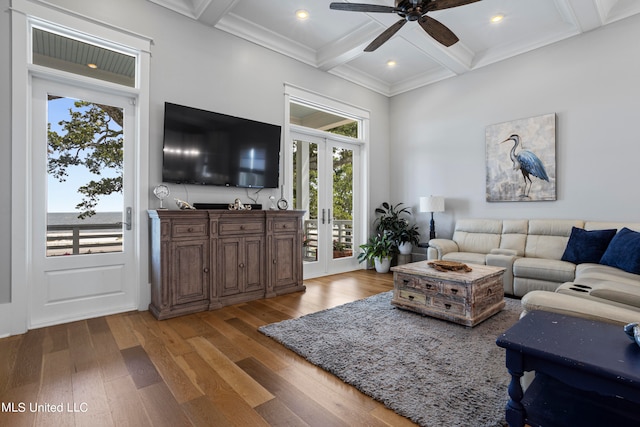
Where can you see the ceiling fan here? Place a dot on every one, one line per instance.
(409, 10)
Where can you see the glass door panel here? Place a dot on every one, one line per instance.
(85, 175)
(305, 193)
(324, 187)
(342, 195)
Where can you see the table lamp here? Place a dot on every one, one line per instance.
(432, 204)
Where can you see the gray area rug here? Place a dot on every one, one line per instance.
(433, 372)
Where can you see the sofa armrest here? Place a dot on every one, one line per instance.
(440, 247)
(578, 307)
(506, 261)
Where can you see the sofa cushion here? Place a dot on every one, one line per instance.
(618, 294)
(466, 257)
(593, 273)
(514, 235)
(477, 235)
(587, 246)
(548, 238)
(595, 309)
(544, 269)
(624, 251)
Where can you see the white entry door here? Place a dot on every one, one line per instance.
(82, 187)
(327, 187)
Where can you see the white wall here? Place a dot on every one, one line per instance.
(199, 66)
(592, 84)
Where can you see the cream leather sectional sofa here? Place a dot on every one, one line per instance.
(531, 252)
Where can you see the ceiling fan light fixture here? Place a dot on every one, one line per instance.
(302, 14)
(497, 18)
(391, 63)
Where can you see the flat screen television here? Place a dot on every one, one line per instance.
(207, 148)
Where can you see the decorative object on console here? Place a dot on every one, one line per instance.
(633, 331)
(282, 203)
(505, 165)
(161, 191)
(238, 206)
(432, 204)
(272, 203)
(183, 205)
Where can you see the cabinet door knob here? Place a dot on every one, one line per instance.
(190, 229)
(241, 265)
(284, 225)
(242, 227)
(206, 269)
(274, 261)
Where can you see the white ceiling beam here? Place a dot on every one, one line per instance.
(216, 10)
(584, 15)
(457, 58)
(261, 36)
(191, 8)
(348, 47)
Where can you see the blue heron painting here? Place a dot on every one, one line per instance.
(527, 163)
(521, 160)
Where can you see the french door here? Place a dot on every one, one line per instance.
(326, 185)
(83, 169)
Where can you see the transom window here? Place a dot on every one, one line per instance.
(70, 54)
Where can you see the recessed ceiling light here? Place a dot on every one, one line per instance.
(92, 66)
(391, 63)
(302, 14)
(497, 18)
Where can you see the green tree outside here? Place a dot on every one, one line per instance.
(93, 138)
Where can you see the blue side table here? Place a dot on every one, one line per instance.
(587, 372)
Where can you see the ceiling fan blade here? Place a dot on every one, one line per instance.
(447, 4)
(386, 35)
(438, 31)
(361, 7)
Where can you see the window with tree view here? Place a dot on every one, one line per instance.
(85, 177)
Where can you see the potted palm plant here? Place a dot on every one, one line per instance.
(379, 249)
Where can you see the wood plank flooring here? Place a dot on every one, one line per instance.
(206, 369)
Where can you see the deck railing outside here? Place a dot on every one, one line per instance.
(341, 236)
(76, 239)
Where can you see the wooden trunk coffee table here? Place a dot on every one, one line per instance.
(462, 297)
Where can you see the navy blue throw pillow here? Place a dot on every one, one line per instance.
(624, 251)
(587, 246)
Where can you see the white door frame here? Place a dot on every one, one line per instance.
(69, 288)
(322, 102)
(325, 263)
(14, 315)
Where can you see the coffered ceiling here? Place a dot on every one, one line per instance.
(333, 41)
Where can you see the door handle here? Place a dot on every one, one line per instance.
(323, 216)
(329, 216)
(127, 219)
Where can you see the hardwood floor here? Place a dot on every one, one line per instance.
(205, 369)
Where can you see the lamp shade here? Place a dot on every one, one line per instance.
(432, 204)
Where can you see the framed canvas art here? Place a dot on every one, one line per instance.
(521, 160)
